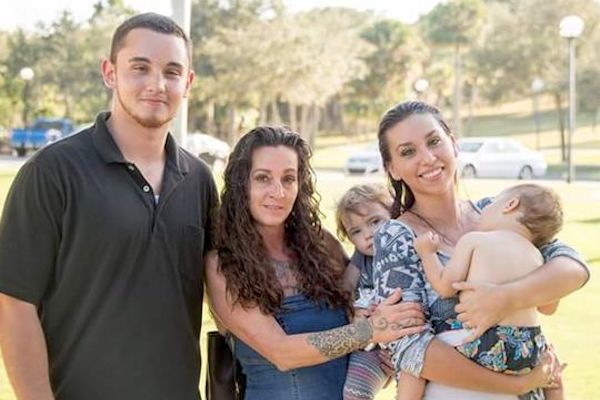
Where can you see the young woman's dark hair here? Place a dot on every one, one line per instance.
(403, 195)
(244, 262)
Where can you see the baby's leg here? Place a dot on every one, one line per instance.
(410, 387)
(365, 376)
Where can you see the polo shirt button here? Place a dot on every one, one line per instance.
(131, 167)
(146, 188)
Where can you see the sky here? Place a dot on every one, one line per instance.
(25, 13)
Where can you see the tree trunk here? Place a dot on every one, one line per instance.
(275, 116)
(231, 128)
(472, 100)
(457, 98)
(210, 117)
(262, 116)
(293, 118)
(561, 125)
(67, 104)
(315, 115)
(304, 110)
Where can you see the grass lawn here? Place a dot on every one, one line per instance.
(573, 329)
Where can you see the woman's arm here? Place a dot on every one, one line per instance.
(262, 332)
(444, 365)
(490, 303)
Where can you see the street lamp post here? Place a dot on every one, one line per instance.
(420, 86)
(571, 28)
(27, 75)
(537, 85)
(182, 15)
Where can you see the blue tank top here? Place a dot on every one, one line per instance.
(320, 382)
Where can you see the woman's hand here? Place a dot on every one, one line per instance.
(486, 305)
(393, 319)
(547, 374)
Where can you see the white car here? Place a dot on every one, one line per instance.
(211, 150)
(493, 157)
(364, 161)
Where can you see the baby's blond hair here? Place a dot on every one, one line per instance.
(541, 211)
(355, 198)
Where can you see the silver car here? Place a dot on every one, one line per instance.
(492, 157)
(364, 161)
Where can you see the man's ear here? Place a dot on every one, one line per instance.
(108, 73)
(511, 205)
(190, 79)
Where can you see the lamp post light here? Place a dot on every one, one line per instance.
(420, 86)
(27, 75)
(537, 85)
(182, 11)
(571, 28)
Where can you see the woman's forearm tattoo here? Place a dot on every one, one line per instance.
(340, 341)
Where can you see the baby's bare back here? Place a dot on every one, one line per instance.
(503, 256)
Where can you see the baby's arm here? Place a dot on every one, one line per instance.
(440, 277)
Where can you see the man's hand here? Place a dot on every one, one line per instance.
(427, 243)
(483, 308)
(393, 319)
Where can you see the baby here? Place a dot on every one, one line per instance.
(511, 229)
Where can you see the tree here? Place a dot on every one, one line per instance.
(523, 43)
(455, 23)
(395, 52)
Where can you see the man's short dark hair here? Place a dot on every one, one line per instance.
(152, 21)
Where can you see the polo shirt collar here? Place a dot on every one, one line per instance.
(109, 151)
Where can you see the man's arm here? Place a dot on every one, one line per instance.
(24, 349)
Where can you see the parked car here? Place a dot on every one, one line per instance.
(364, 161)
(492, 157)
(208, 148)
(43, 131)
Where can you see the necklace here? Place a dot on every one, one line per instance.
(444, 238)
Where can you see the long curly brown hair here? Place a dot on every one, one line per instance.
(243, 258)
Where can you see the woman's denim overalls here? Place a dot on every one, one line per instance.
(320, 382)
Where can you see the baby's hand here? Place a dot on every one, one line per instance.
(427, 243)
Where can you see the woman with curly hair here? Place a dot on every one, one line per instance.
(275, 280)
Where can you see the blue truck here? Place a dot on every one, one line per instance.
(43, 131)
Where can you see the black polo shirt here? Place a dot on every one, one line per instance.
(116, 277)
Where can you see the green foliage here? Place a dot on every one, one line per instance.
(333, 68)
(455, 22)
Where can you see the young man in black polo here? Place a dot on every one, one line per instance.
(102, 239)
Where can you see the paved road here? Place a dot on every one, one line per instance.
(11, 163)
(583, 173)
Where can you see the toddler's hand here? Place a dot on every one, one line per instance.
(427, 243)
